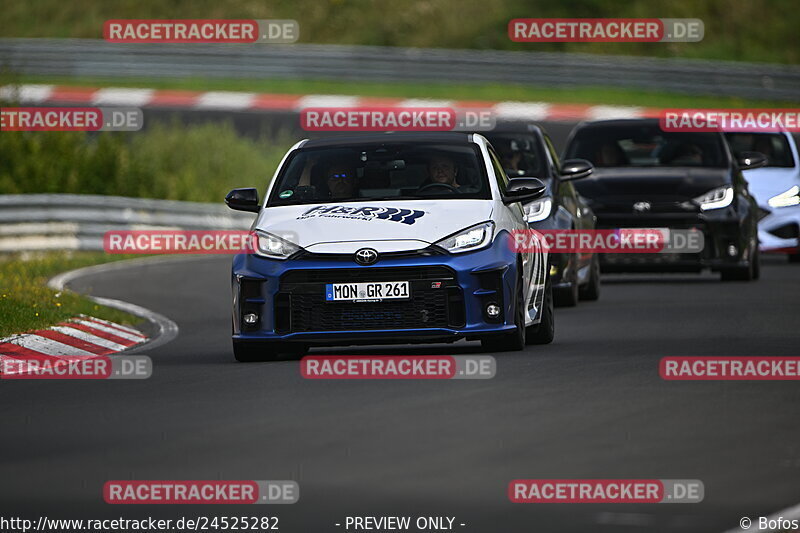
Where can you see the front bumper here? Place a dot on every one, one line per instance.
(779, 230)
(449, 294)
(726, 242)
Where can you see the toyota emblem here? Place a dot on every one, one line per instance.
(641, 207)
(366, 256)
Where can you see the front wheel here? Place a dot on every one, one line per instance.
(591, 291)
(749, 272)
(252, 352)
(545, 331)
(568, 296)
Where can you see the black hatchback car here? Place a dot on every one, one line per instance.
(526, 150)
(647, 178)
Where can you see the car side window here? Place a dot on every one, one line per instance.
(499, 171)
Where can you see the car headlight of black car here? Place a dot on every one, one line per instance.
(538, 209)
(715, 199)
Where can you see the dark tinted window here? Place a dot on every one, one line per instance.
(520, 153)
(773, 145)
(385, 171)
(646, 146)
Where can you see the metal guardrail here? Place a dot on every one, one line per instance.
(97, 58)
(78, 222)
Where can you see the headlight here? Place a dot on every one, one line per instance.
(472, 238)
(272, 246)
(538, 209)
(786, 199)
(716, 199)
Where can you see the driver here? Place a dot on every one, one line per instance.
(510, 156)
(341, 182)
(442, 169)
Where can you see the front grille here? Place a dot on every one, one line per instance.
(645, 259)
(344, 275)
(425, 309)
(428, 307)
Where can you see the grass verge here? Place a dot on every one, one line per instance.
(26, 303)
(172, 161)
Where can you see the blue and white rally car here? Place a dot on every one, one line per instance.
(389, 238)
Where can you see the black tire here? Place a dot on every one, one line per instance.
(252, 352)
(757, 263)
(794, 258)
(545, 331)
(568, 296)
(749, 272)
(514, 340)
(591, 291)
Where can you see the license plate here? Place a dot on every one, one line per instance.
(375, 291)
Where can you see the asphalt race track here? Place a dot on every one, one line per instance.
(591, 405)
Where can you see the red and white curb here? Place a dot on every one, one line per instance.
(79, 338)
(241, 101)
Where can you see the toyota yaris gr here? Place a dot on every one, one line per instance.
(389, 238)
(526, 150)
(648, 178)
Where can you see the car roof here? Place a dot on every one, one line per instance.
(446, 137)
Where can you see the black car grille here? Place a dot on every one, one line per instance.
(436, 301)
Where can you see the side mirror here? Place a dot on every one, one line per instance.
(575, 169)
(243, 200)
(748, 160)
(523, 190)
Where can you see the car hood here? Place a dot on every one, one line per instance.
(384, 225)
(652, 183)
(764, 183)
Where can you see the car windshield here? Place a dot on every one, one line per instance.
(646, 146)
(384, 171)
(773, 145)
(520, 154)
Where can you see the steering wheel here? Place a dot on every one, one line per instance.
(430, 186)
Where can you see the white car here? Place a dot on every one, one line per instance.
(389, 238)
(776, 187)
